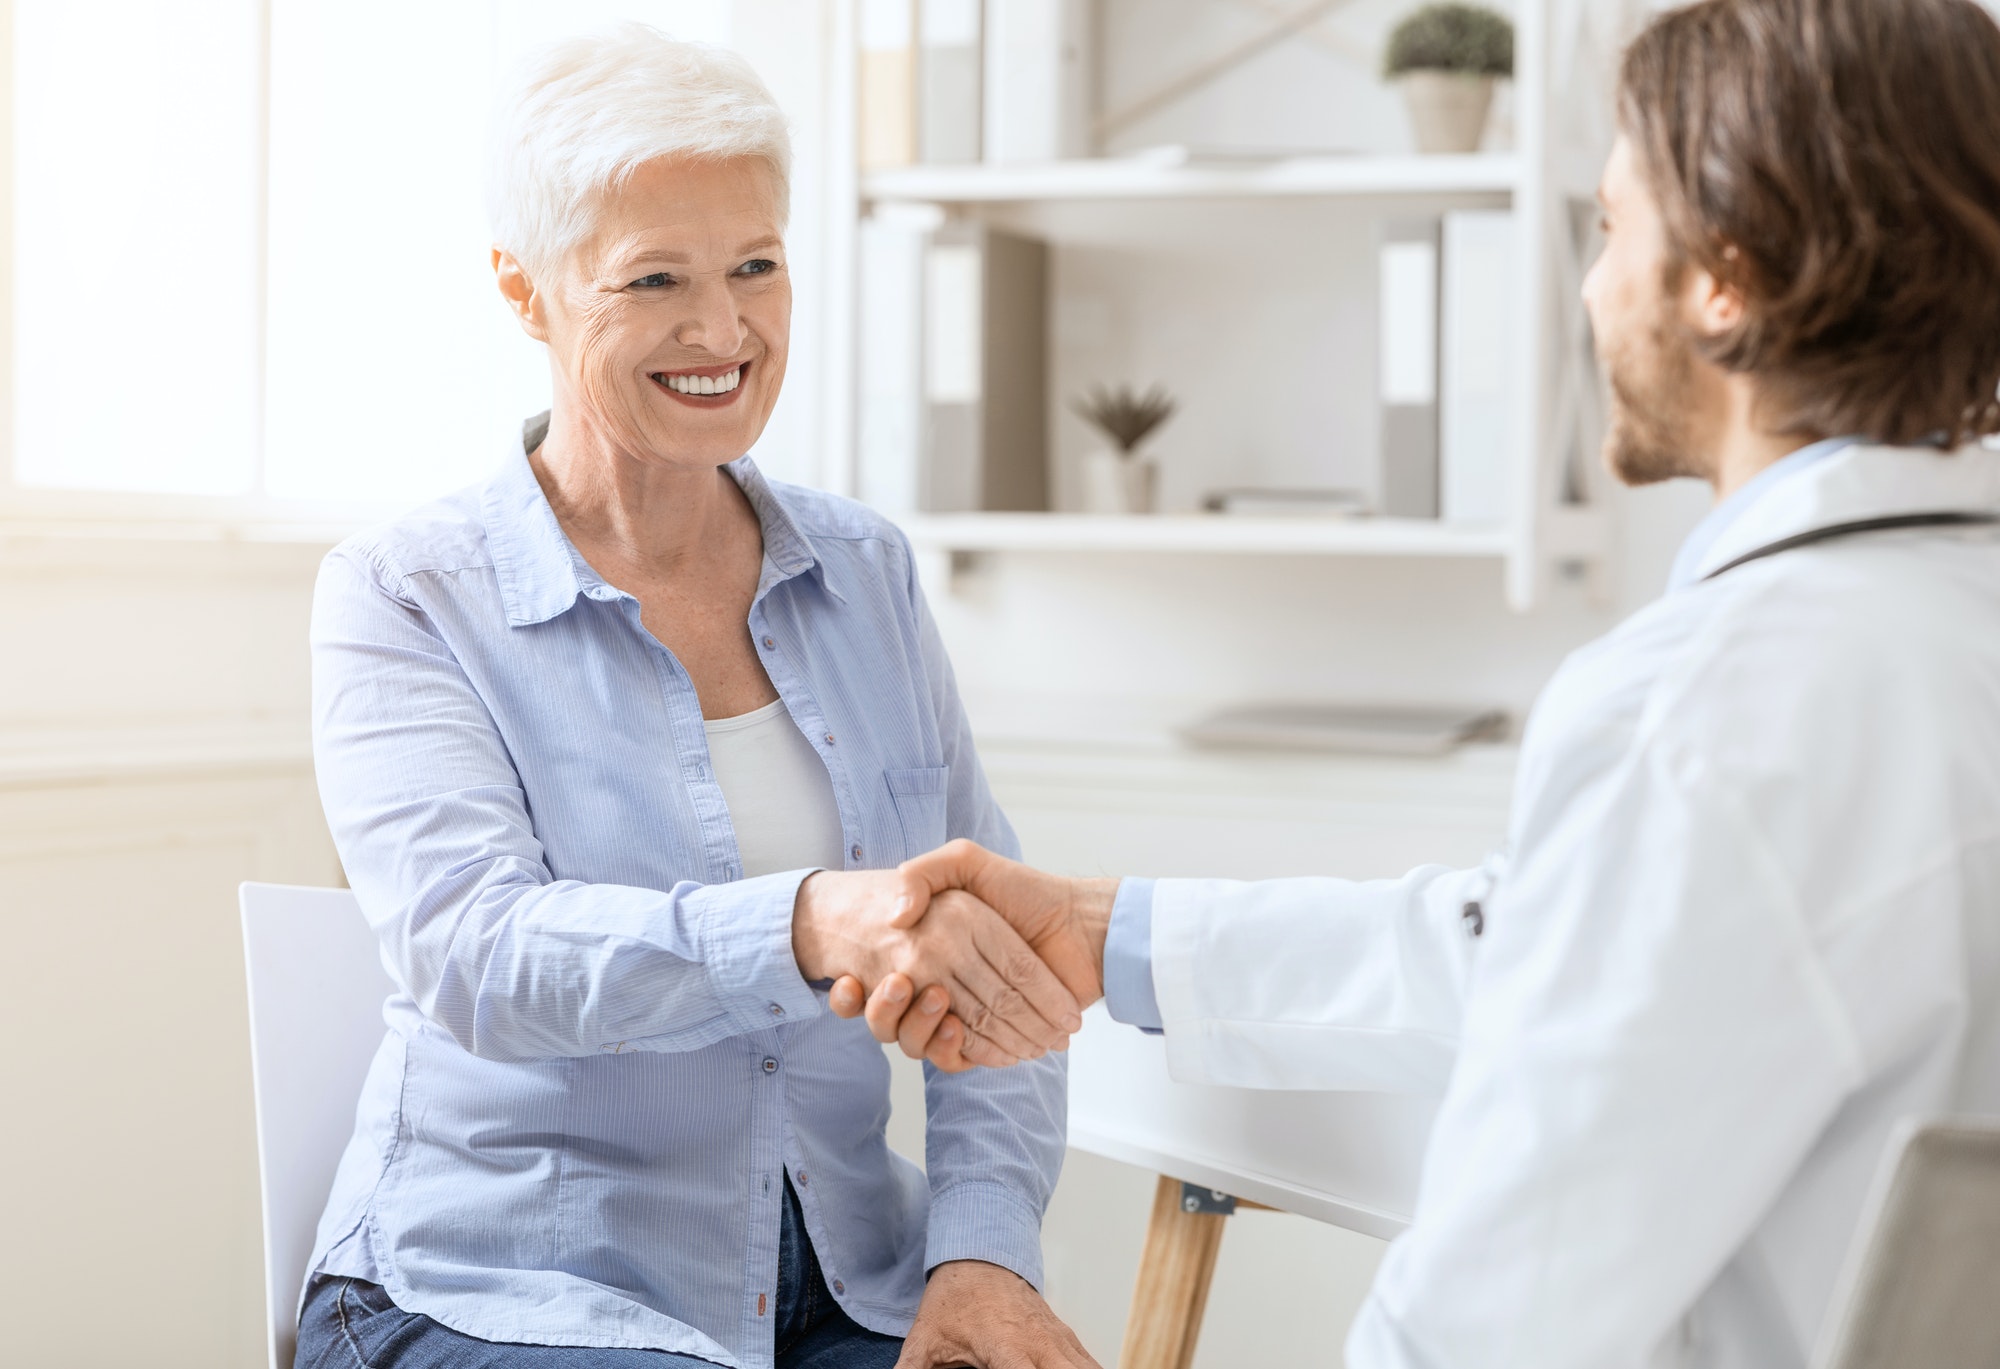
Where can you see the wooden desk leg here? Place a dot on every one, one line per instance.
(1172, 1292)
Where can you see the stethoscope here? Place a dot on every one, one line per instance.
(1963, 518)
(1473, 914)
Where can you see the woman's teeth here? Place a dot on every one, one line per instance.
(702, 385)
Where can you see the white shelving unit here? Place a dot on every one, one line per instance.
(1201, 533)
(1559, 144)
(1135, 178)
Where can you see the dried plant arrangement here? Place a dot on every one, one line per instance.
(1122, 414)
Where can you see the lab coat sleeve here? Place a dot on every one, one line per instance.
(1314, 983)
(435, 836)
(1651, 1047)
(993, 1139)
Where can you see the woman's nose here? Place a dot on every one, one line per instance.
(712, 322)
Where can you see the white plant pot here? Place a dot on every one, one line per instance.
(1447, 110)
(1119, 484)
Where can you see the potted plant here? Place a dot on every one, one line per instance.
(1120, 480)
(1447, 57)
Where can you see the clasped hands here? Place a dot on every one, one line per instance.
(962, 956)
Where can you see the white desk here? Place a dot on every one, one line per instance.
(1347, 1158)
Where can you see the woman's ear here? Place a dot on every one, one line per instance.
(518, 289)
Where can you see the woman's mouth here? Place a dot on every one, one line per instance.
(705, 387)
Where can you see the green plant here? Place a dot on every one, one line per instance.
(1468, 40)
(1123, 414)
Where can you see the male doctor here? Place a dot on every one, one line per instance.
(1751, 916)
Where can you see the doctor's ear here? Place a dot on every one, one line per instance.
(517, 287)
(1714, 305)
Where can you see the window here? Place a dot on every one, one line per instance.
(250, 251)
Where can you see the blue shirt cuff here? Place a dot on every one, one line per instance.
(1128, 958)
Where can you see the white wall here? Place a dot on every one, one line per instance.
(152, 755)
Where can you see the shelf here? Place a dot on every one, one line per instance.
(1113, 178)
(1220, 533)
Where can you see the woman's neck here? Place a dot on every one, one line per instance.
(638, 511)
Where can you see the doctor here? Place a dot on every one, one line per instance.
(1752, 912)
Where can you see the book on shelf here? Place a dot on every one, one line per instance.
(887, 81)
(1478, 378)
(953, 403)
(951, 81)
(985, 371)
(889, 418)
(1407, 366)
(1038, 96)
(1369, 729)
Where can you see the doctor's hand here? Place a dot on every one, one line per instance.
(870, 925)
(1065, 921)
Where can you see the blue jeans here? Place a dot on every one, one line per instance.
(350, 1324)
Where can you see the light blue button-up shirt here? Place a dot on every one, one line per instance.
(602, 1059)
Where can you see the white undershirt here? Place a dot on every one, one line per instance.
(780, 799)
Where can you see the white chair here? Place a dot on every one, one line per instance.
(316, 992)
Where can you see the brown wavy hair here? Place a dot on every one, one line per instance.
(1837, 162)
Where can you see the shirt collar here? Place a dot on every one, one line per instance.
(1688, 565)
(541, 573)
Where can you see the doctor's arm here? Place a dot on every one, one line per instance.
(1291, 983)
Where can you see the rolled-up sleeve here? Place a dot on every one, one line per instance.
(994, 1138)
(434, 832)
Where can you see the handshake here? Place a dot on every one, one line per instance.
(963, 957)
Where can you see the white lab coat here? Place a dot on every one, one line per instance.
(1751, 918)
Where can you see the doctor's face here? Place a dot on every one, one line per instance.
(1636, 297)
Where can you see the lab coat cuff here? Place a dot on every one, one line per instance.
(985, 1220)
(1128, 958)
(747, 947)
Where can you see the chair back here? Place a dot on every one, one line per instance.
(316, 991)
(1921, 1286)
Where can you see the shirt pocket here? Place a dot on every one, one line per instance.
(919, 796)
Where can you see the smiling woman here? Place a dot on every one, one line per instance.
(620, 749)
(667, 324)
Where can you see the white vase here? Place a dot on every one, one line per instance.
(1114, 483)
(1447, 110)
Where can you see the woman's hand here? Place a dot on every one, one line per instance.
(980, 1314)
(874, 924)
(1064, 921)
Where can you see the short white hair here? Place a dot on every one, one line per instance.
(581, 115)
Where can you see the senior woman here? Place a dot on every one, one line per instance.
(616, 748)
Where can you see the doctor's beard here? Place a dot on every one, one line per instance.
(1650, 436)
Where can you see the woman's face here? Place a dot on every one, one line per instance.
(668, 326)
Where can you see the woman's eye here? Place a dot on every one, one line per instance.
(760, 266)
(654, 281)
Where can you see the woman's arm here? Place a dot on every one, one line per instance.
(435, 835)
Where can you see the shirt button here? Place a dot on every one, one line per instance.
(857, 853)
(839, 1287)
(770, 642)
(777, 1010)
(803, 1180)
(829, 739)
(770, 1065)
